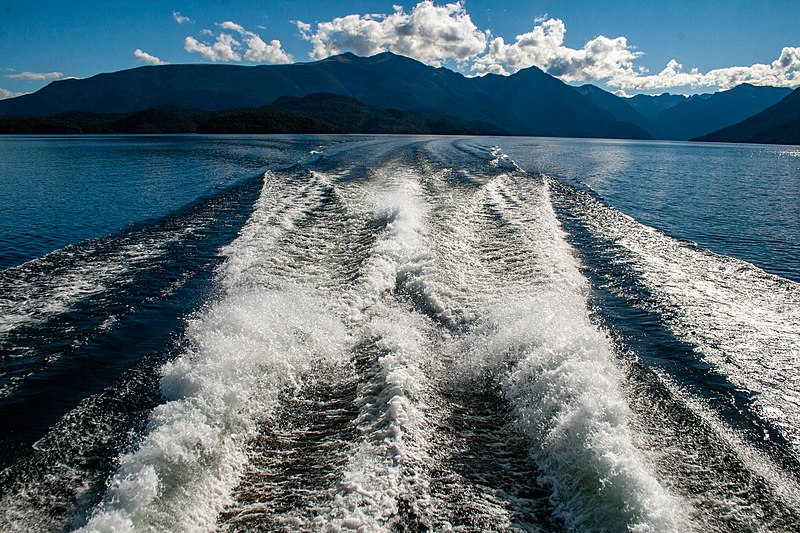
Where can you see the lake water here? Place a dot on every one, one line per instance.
(307, 332)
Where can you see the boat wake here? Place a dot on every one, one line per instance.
(403, 337)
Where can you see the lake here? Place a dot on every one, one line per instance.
(397, 332)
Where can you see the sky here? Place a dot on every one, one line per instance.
(626, 47)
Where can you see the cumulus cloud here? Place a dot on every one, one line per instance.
(5, 93)
(148, 59)
(180, 19)
(543, 47)
(221, 50)
(429, 33)
(37, 76)
(783, 72)
(613, 60)
(227, 48)
(229, 25)
(260, 52)
(436, 33)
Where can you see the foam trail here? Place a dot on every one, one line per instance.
(446, 283)
(743, 321)
(563, 384)
(32, 292)
(245, 349)
(379, 473)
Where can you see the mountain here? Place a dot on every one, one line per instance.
(59, 124)
(262, 120)
(778, 124)
(161, 119)
(678, 117)
(702, 114)
(353, 116)
(335, 113)
(529, 102)
(315, 113)
(650, 106)
(620, 108)
(166, 119)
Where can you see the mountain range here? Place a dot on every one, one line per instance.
(314, 113)
(529, 102)
(778, 124)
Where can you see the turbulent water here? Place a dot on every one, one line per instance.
(398, 334)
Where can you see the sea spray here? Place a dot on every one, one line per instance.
(245, 350)
(394, 344)
(256, 341)
(557, 370)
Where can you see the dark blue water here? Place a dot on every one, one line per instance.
(739, 200)
(64, 189)
(735, 199)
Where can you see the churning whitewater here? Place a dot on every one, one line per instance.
(402, 337)
(405, 289)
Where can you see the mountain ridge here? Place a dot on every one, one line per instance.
(314, 113)
(384, 80)
(528, 102)
(676, 117)
(778, 124)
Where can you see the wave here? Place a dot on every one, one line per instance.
(252, 344)
(402, 337)
(742, 321)
(563, 384)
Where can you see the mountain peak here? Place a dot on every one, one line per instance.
(528, 103)
(346, 57)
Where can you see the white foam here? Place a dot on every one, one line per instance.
(245, 350)
(43, 295)
(743, 321)
(252, 344)
(389, 420)
(280, 315)
(565, 388)
(567, 397)
(379, 470)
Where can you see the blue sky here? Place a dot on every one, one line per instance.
(624, 46)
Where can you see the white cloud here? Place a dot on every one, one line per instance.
(5, 93)
(433, 34)
(304, 27)
(543, 47)
(260, 52)
(221, 50)
(783, 72)
(226, 48)
(180, 19)
(37, 76)
(429, 33)
(603, 58)
(228, 25)
(148, 59)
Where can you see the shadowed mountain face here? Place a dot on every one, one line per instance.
(527, 103)
(702, 114)
(778, 124)
(650, 106)
(315, 113)
(678, 117)
(623, 109)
